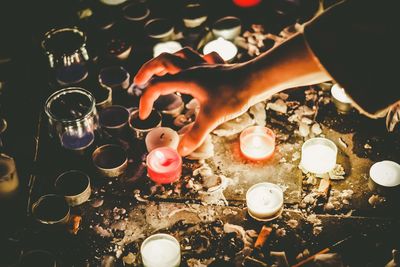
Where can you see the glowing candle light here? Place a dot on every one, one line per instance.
(264, 201)
(340, 99)
(160, 250)
(318, 155)
(384, 177)
(226, 49)
(257, 143)
(166, 47)
(164, 165)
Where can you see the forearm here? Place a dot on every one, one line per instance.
(289, 65)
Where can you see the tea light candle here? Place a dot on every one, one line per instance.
(340, 99)
(162, 137)
(166, 47)
(226, 49)
(264, 201)
(164, 165)
(384, 176)
(318, 155)
(160, 250)
(257, 142)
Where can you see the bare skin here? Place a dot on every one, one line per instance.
(226, 91)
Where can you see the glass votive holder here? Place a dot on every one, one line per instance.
(67, 55)
(257, 143)
(339, 97)
(384, 177)
(114, 119)
(72, 117)
(318, 155)
(264, 201)
(160, 250)
(225, 49)
(74, 186)
(227, 27)
(114, 77)
(140, 128)
(110, 160)
(51, 209)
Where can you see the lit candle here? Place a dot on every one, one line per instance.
(318, 155)
(226, 49)
(264, 201)
(257, 142)
(164, 165)
(166, 47)
(160, 250)
(340, 99)
(384, 176)
(162, 137)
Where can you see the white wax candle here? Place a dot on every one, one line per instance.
(162, 136)
(161, 250)
(339, 93)
(318, 155)
(385, 173)
(264, 201)
(257, 142)
(166, 47)
(226, 49)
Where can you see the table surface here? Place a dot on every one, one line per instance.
(214, 228)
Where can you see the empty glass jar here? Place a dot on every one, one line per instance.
(67, 55)
(72, 117)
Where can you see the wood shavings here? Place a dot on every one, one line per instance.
(280, 232)
(102, 232)
(279, 106)
(292, 223)
(234, 126)
(316, 223)
(280, 259)
(328, 259)
(343, 143)
(376, 200)
(96, 203)
(204, 151)
(337, 173)
(259, 114)
(316, 129)
(171, 214)
(129, 259)
(304, 129)
(367, 146)
(263, 236)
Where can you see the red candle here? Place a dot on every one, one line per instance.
(164, 165)
(257, 143)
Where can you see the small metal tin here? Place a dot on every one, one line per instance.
(139, 127)
(103, 98)
(227, 27)
(384, 178)
(9, 180)
(135, 12)
(194, 15)
(159, 29)
(115, 77)
(51, 209)
(74, 186)
(110, 160)
(114, 119)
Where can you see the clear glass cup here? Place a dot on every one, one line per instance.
(67, 54)
(72, 117)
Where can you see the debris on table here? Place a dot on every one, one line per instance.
(376, 200)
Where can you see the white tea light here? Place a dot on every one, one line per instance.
(160, 250)
(385, 173)
(226, 49)
(264, 201)
(160, 137)
(340, 99)
(166, 47)
(318, 155)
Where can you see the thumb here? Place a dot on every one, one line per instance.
(195, 136)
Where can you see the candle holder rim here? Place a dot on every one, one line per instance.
(320, 139)
(101, 72)
(393, 163)
(273, 217)
(63, 92)
(52, 32)
(162, 35)
(134, 111)
(265, 183)
(160, 236)
(74, 171)
(348, 102)
(100, 149)
(119, 125)
(163, 147)
(268, 130)
(135, 18)
(42, 198)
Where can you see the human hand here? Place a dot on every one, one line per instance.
(217, 87)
